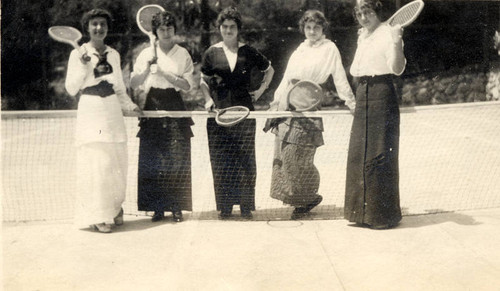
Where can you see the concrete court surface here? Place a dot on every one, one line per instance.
(449, 251)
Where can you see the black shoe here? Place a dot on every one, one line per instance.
(299, 212)
(246, 214)
(159, 215)
(177, 216)
(313, 204)
(224, 214)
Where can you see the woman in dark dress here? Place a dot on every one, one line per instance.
(372, 184)
(164, 175)
(226, 71)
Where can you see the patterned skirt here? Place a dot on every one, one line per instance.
(295, 178)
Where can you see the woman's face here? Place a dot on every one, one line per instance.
(229, 30)
(165, 32)
(313, 31)
(367, 18)
(98, 28)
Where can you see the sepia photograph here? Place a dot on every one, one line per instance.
(250, 145)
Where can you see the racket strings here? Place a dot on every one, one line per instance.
(145, 17)
(406, 14)
(304, 96)
(66, 34)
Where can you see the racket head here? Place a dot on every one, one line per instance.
(230, 116)
(145, 15)
(305, 96)
(65, 34)
(407, 14)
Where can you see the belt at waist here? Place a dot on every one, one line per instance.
(103, 89)
(375, 79)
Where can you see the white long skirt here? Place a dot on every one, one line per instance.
(101, 182)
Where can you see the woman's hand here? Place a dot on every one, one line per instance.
(209, 105)
(138, 111)
(257, 93)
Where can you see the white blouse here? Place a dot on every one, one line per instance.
(314, 63)
(375, 53)
(80, 76)
(99, 119)
(177, 61)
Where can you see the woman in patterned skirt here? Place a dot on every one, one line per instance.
(295, 179)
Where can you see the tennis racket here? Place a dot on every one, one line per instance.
(69, 35)
(304, 96)
(406, 14)
(143, 19)
(230, 116)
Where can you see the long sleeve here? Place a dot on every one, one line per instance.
(119, 85)
(188, 71)
(279, 100)
(76, 73)
(340, 79)
(375, 54)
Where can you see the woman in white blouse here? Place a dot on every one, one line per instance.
(164, 174)
(372, 184)
(101, 138)
(295, 179)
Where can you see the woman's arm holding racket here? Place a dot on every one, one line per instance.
(396, 59)
(141, 67)
(76, 73)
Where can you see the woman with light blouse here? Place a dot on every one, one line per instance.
(295, 179)
(372, 183)
(101, 138)
(164, 174)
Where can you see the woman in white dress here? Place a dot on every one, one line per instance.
(101, 138)
(295, 179)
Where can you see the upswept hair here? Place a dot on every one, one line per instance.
(315, 16)
(94, 13)
(229, 13)
(375, 5)
(166, 18)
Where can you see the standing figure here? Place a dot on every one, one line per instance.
(226, 79)
(295, 178)
(164, 174)
(372, 184)
(101, 137)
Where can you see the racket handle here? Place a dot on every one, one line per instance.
(83, 53)
(153, 68)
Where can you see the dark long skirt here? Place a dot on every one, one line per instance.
(372, 182)
(164, 174)
(295, 178)
(232, 156)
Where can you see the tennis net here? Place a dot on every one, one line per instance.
(449, 160)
